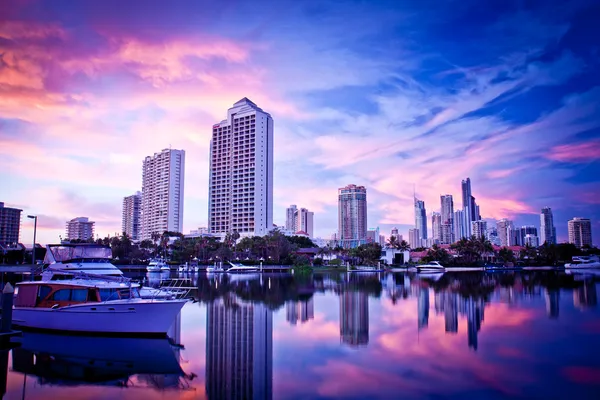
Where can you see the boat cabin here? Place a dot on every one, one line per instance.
(63, 293)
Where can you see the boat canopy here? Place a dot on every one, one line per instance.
(64, 253)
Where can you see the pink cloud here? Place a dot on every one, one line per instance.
(576, 152)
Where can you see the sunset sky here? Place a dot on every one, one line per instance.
(384, 94)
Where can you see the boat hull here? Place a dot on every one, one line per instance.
(120, 317)
(592, 265)
(431, 269)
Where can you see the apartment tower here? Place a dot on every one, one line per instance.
(547, 229)
(290, 218)
(447, 227)
(10, 224)
(162, 192)
(241, 172)
(80, 228)
(580, 232)
(132, 215)
(352, 215)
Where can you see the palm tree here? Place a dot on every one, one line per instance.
(393, 242)
(403, 246)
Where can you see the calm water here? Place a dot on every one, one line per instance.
(528, 335)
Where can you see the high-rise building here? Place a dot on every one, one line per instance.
(354, 318)
(352, 215)
(470, 207)
(290, 218)
(10, 224)
(580, 232)
(528, 230)
(132, 213)
(459, 225)
(492, 236)
(373, 235)
(394, 232)
(447, 235)
(302, 311)
(479, 228)
(503, 226)
(241, 172)
(531, 240)
(239, 350)
(436, 227)
(421, 218)
(414, 238)
(514, 236)
(547, 229)
(304, 221)
(162, 193)
(80, 228)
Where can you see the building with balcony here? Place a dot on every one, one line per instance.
(241, 172)
(10, 224)
(162, 193)
(80, 228)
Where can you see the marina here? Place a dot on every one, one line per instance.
(470, 322)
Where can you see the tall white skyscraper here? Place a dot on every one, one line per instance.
(447, 208)
(162, 192)
(470, 207)
(504, 226)
(132, 215)
(547, 229)
(290, 218)
(241, 172)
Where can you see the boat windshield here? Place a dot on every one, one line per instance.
(70, 253)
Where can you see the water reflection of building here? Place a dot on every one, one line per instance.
(239, 351)
(451, 305)
(423, 307)
(585, 295)
(446, 302)
(299, 310)
(354, 318)
(552, 298)
(474, 309)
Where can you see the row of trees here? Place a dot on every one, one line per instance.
(274, 248)
(473, 250)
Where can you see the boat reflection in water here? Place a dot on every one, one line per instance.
(61, 360)
(239, 350)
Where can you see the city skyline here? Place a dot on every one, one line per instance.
(516, 109)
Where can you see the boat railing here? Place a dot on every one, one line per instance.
(87, 275)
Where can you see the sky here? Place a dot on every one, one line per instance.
(387, 94)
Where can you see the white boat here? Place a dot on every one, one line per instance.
(63, 260)
(239, 268)
(432, 266)
(583, 262)
(98, 306)
(157, 265)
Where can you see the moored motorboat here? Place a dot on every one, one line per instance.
(432, 266)
(583, 262)
(239, 268)
(93, 306)
(157, 265)
(63, 261)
